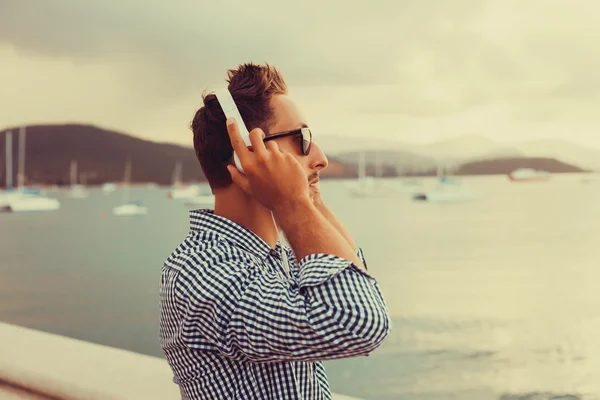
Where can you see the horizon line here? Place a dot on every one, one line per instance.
(412, 143)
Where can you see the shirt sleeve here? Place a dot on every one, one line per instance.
(333, 310)
(361, 256)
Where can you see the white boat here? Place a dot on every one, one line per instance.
(22, 199)
(6, 197)
(367, 186)
(76, 191)
(528, 174)
(128, 207)
(204, 199)
(446, 193)
(131, 208)
(14, 194)
(408, 185)
(364, 187)
(179, 190)
(184, 192)
(108, 187)
(447, 190)
(33, 203)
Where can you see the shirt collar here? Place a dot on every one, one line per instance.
(223, 228)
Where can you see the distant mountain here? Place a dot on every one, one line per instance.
(471, 148)
(100, 156)
(584, 157)
(507, 165)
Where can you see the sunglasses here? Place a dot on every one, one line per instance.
(305, 133)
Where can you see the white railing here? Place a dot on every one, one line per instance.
(44, 366)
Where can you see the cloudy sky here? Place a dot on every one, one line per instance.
(410, 70)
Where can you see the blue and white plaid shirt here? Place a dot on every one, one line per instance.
(236, 324)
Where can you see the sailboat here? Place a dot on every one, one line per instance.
(179, 191)
(77, 191)
(7, 195)
(204, 199)
(21, 199)
(108, 188)
(408, 183)
(365, 186)
(446, 191)
(128, 207)
(192, 195)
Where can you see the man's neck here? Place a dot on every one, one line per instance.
(233, 204)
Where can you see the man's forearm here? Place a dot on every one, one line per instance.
(308, 231)
(337, 223)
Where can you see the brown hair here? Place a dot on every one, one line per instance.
(252, 87)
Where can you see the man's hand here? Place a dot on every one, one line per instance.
(278, 181)
(274, 178)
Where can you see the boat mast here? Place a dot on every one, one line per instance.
(21, 172)
(126, 181)
(73, 172)
(9, 174)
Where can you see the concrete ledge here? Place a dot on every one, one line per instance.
(43, 366)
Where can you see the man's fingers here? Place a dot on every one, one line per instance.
(256, 138)
(239, 147)
(271, 145)
(239, 179)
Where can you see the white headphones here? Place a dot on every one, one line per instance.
(230, 109)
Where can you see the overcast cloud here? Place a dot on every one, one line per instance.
(415, 70)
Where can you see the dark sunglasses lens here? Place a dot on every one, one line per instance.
(306, 140)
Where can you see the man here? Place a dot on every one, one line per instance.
(243, 316)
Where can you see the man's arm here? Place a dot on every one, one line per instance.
(226, 302)
(336, 222)
(309, 231)
(330, 215)
(333, 219)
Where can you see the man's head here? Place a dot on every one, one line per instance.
(260, 94)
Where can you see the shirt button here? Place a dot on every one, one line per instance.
(274, 253)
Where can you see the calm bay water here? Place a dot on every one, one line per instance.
(497, 298)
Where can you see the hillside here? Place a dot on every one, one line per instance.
(581, 156)
(507, 165)
(467, 148)
(101, 155)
